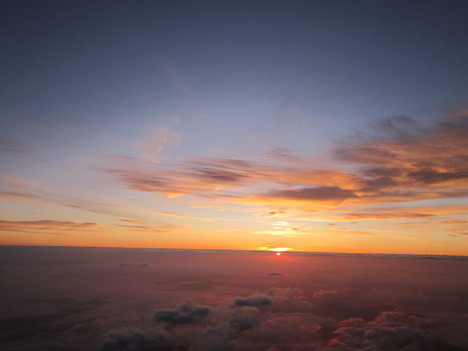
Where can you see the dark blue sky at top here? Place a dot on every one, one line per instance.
(108, 65)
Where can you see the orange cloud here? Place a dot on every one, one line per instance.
(170, 214)
(44, 225)
(401, 162)
(159, 229)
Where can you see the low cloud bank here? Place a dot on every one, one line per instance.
(279, 319)
(135, 339)
(253, 301)
(183, 314)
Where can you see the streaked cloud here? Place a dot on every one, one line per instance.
(158, 228)
(11, 146)
(14, 189)
(399, 161)
(161, 138)
(176, 215)
(44, 225)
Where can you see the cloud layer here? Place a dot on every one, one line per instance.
(87, 299)
(401, 161)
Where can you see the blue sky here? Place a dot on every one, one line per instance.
(85, 85)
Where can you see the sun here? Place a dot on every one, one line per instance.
(278, 253)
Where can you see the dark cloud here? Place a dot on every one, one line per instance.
(252, 301)
(397, 127)
(409, 155)
(183, 314)
(220, 337)
(392, 330)
(135, 340)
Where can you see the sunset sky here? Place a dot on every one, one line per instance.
(323, 126)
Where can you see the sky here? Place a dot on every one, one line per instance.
(116, 299)
(323, 126)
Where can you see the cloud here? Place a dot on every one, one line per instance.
(398, 161)
(162, 228)
(325, 293)
(391, 330)
(337, 302)
(283, 154)
(9, 146)
(220, 337)
(44, 225)
(151, 148)
(175, 77)
(212, 177)
(199, 177)
(409, 156)
(135, 340)
(171, 214)
(252, 301)
(323, 193)
(186, 313)
(286, 331)
(277, 213)
(383, 216)
(20, 190)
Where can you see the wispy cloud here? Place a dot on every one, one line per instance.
(175, 77)
(176, 215)
(399, 161)
(7, 145)
(152, 147)
(160, 228)
(45, 225)
(408, 156)
(20, 190)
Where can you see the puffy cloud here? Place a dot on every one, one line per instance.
(286, 331)
(289, 300)
(389, 331)
(183, 314)
(336, 303)
(135, 340)
(252, 301)
(220, 336)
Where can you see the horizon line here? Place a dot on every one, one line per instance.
(293, 252)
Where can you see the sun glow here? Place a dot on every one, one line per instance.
(278, 250)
